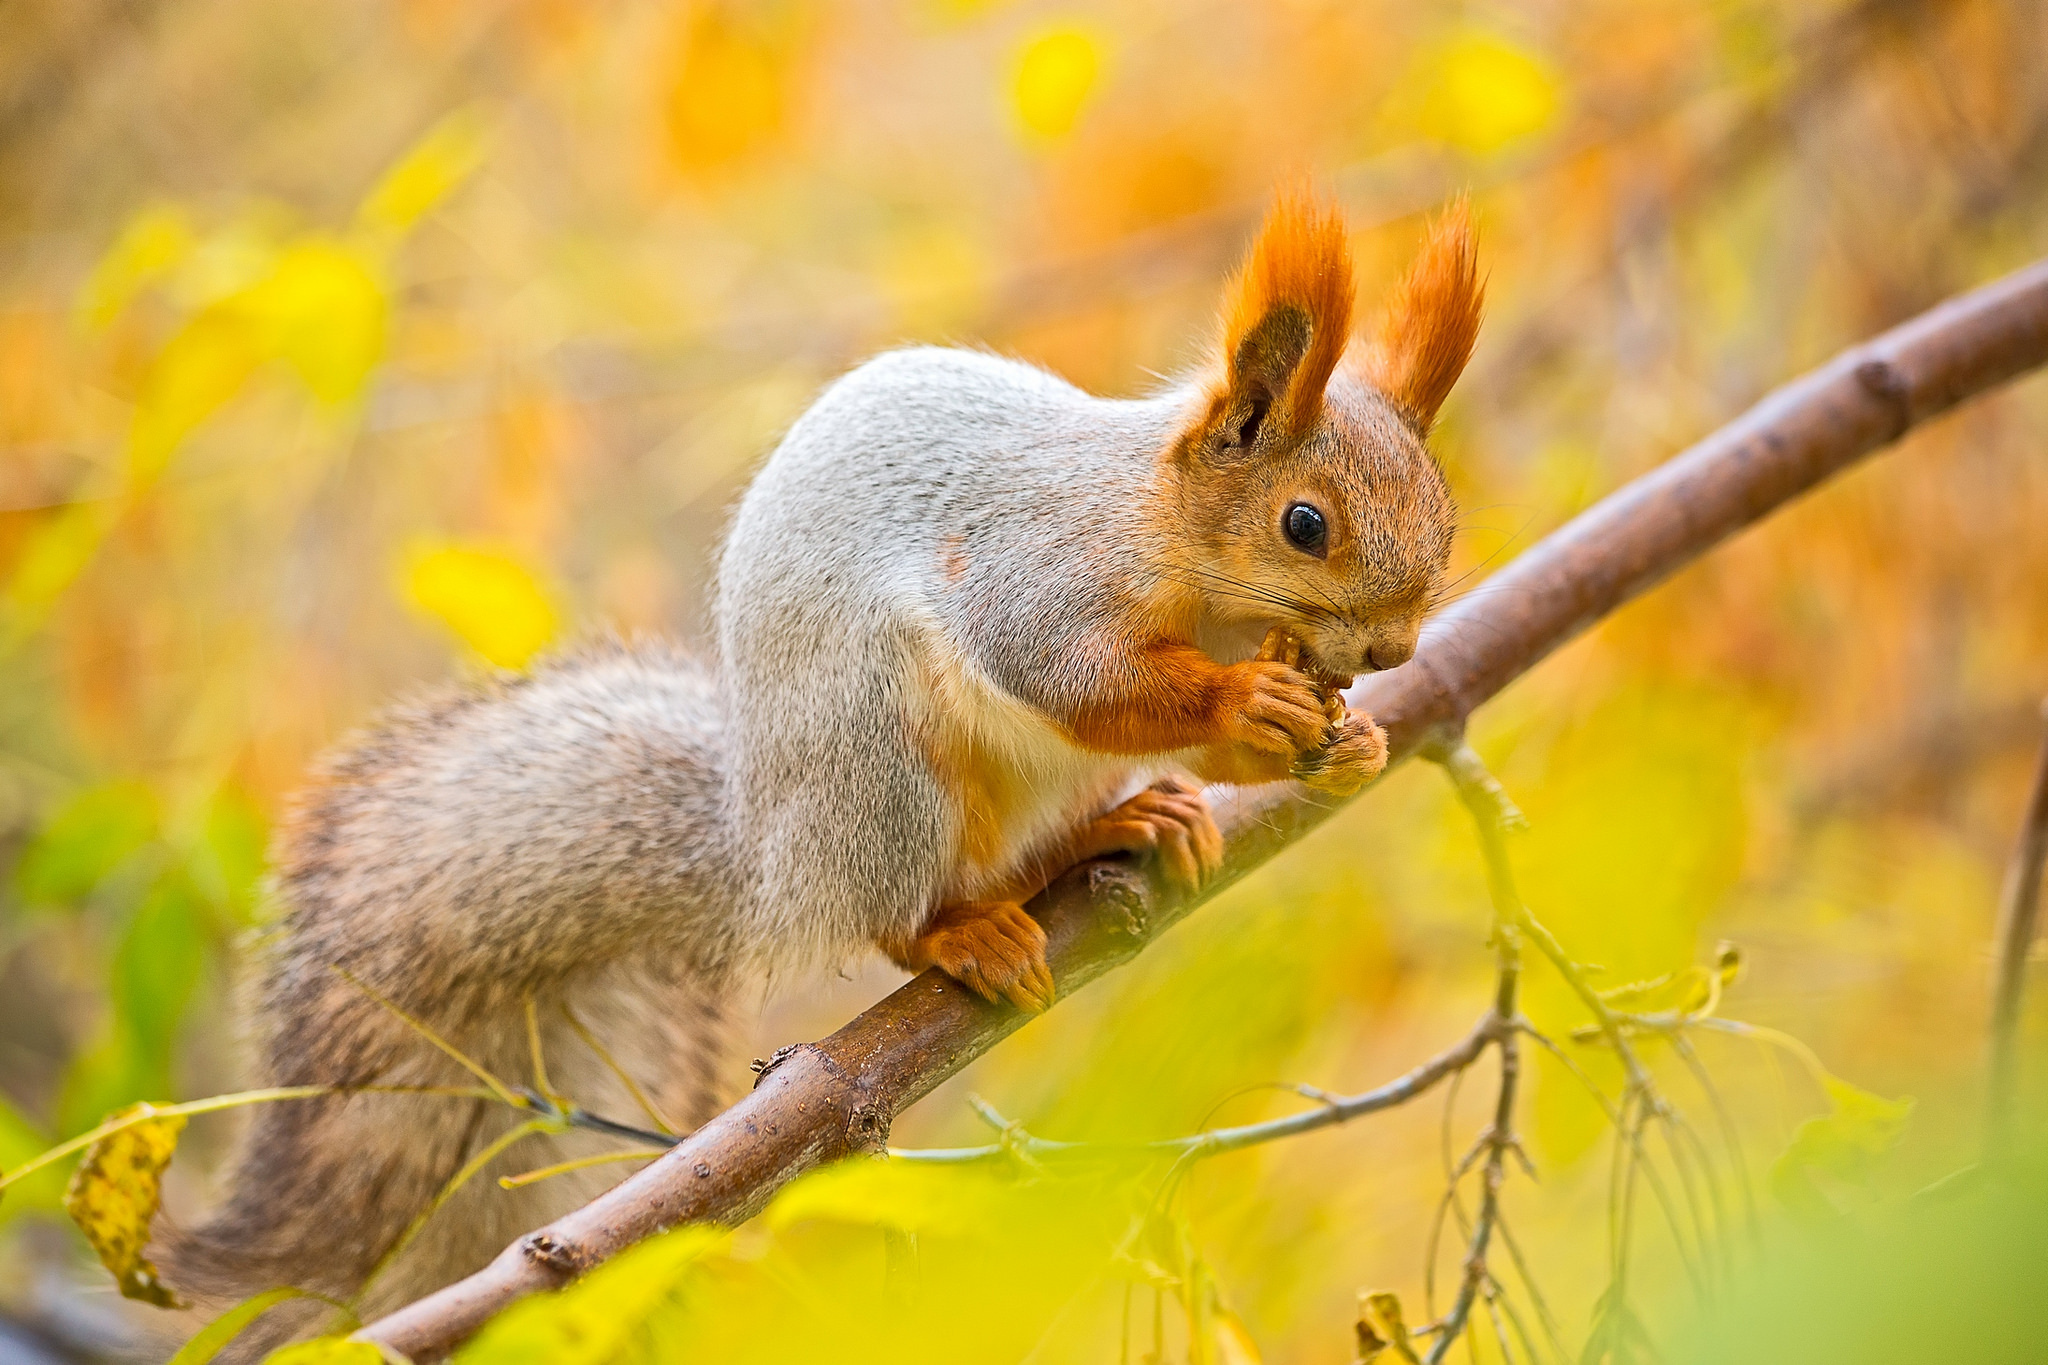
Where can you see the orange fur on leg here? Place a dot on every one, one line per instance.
(1177, 697)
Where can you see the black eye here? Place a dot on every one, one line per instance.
(1306, 528)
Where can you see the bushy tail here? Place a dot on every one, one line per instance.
(539, 858)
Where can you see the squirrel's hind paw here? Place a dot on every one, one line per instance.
(994, 948)
(1347, 763)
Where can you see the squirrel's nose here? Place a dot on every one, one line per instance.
(1386, 654)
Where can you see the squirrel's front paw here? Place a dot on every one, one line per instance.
(1280, 709)
(1355, 757)
(992, 947)
(1171, 820)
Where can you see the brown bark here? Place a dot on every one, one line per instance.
(837, 1096)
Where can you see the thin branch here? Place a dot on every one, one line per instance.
(838, 1096)
(1335, 1109)
(2018, 920)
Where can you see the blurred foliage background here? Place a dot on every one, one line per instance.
(347, 344)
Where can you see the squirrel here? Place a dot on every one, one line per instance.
(973, 627)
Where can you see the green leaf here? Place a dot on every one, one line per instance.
(155, 969)
(227, 863)
(593, 1319)
(20, 1142)
(208, 1341)
(90, 836)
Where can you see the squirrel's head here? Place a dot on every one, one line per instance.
(1309, 495)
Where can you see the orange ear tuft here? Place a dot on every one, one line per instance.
(1295, 287)
(1432, 319)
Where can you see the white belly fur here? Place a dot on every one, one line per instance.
(1018, 782)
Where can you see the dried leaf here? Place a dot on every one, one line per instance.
(1383, 1328)
(114, 1194)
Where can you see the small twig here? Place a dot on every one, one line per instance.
(1335, 1109)
(2018, 918)
(640, 1096)
(1493, 815)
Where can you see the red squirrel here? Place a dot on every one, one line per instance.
(974, 625)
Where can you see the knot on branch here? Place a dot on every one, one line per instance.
(867, 1127)
(775, 1059)
(1117, 900)
(1881, 380)
(564, 1260)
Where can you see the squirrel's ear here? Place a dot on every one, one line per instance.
(1431, 321)
(1286, 318)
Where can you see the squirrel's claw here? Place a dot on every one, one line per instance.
(993, 948)
(1355, 757)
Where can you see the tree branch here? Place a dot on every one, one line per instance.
(2018, 920)
(828, 1099)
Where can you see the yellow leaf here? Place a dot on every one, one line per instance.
(1382, 1328)
(431, 170)
(149, 248)
(114, 1194)
(321, 309)
(942, 1201)
(1234, 1345)
(195, 374)
(588, 1322)
(1484, 92)
(1056, 72)
(56, 553)
(326, 1351)
(493, 603)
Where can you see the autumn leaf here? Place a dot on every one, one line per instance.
(113, 1196)
(1479, 93)
(431, 169)
(154, 243)
(588, 1322)
(1056, 72)
(326, 1351)
(1383, 1328)
(1234, 1344)
(493, 603)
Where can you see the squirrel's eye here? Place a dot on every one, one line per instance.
(1306, 528)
